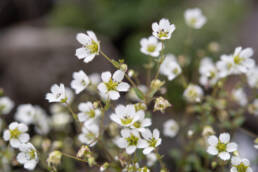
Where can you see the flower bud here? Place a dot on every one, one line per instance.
(131, 73)
(91, 161)
(207, 131)
(96, 104)
(156, 84)
(213, 47)
(54, 158)
(140, 106)
(161, 104)
(84, 150)
(123, 67)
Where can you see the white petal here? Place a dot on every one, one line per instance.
(142, 143)
(212, 150)
(130, 149)
(82, 38)
(89, 58)
(113, 95)
(81, 53)
(148, 150)
(233, 169)
(13, 125)
(105, 76)
(224, 156)
(118, 76)
(123, 86)
(21, 158)
(224, 137)
(24, 137)
(212, 140)
(7, 135)
(246, 162)
(121, 143)
(231, 147)
(235, 160)
(15, 143)
(102, 88)
(30, 165)
(156, 133)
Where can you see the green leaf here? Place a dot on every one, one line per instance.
(138, 93)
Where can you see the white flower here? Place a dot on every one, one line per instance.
(126, 116)
(151, 46)
(221, 147)
(170, 128)
(41, 121)
(90, 133)
(142, 122)
(152, 139)
(133, 96)
(242, 61)
(90, 46)
(28, 156)
(95, 79)
(240, 165)
(252, 77)
(16, 134)
(110, 87)
(194, 18)
(151, 159)
(88, 112)
(193, 93)
(161, 104)
(170, 67)
(25, 113)
(208, 71)
(60, 120)
(58, 94)
(6, 105)
(240, 96)
(69, 94)
(163, 30)
(131, 140)
(80, 81)
(225, 66)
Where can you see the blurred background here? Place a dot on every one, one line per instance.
(37, 39)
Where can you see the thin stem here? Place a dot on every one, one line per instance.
(71, 110)
(162, 58)
(162, 164)
(73, 157)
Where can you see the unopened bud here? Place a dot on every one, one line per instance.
(213, 47)
(91, 161)
(54, 158)
(84, 150)
(57, 144)
(157, 84)
(131, 73)
(123, 67)
(207, 131)
(161, 104)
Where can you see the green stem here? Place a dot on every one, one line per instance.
(71, 110)
(162, 58)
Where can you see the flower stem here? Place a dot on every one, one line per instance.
(71, 110)
(162, 58)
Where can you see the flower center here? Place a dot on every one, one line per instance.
(83, 82)
(111, 85)
(241, 167)
(175, 71)
(238, 60)
(93, 47)
(90, 135)
(32, 154)
(132, 140)
(151, 48)
(15, 133)
(152, 142)
(91, 113)
(192, 93)
(137, 124)
(221, 147)
(162, 33)
(193, 21)
(126, 120)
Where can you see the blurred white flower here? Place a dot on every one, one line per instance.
(16, 134)
(90, 133)
(80, 81)
(242, 61)
(151, 46)
(252, 77)
(88, 112)
(170, 67)
(163, 30)
(6, 105)
(110, 87)
(225, 66)
(90, 46)
(208, 71)
(151, 159)
(193, 93)
(58, 94)
(170, 128)
(28, 156)
(240, 165)
(221, 147)
(41, 121)
(60, 120)
(125, 116)
(25, 113)
(194, 18)
(153, 140)
(142, 122)
(239, 96)
(131, 140)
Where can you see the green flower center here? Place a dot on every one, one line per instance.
(137, 124)
(111, 85)
(241, 167)
(193, 21)
(132, 140)
(139, 107)
(126, 120)
(229, 65)
(2, 107)
(32, 154)
(15, 133)
(90, 135)
(151, 48)
(175, 71)
(83, 82)
(238, 60)
(221, 147)
(192, 93)
(93, 47)
(152, 142)
(91, 113)
(162, 33)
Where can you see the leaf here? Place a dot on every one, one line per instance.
(138, 93)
